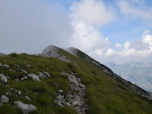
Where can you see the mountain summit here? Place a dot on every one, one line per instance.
(66, 81)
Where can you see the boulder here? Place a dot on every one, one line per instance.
(41, 75)
(3, 78)
(1, 64)
(34, 77)
(47, 74)
(4, 99)
(26, 108)
(24, 71)
(7, 66)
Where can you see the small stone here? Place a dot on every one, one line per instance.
(27, 97)
(76, 89)
(7, 66)
(61, 91)
(28, 65)
(25, 77)
(4, 99)
(16, 80)
(17, 65)
(3, 78)
(67, 103)
(60, 97)
(19, 92)
(22, 79)
(75, 103)
(6, 93)
(26, 108)
(34, 77)
(47, 74)
(41, 75)
(6, 85)
(79, 80)
(81, 85)
(24, 71)
(12, 88)
(1, 64)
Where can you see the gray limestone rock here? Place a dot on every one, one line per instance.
(41, 75)
(26, 108)
(4, 99)
(47, 74)
(34, 77)
(3, 78)
(24, 71)
(7, 66)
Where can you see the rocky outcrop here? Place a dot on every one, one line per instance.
(52, 51)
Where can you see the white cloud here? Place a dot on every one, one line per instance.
(148, 39)
(98, 52)
(130, 9)
(110, 52)
(146, 32)
(88, 38)
(30, 25)
(127, 45)
(93, 12)
(118, 45)
(88, 16)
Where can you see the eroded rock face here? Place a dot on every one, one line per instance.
(51, 51)
(26, 108)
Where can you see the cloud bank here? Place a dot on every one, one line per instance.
(31, 25)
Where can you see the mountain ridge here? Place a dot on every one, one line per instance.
(57, 81)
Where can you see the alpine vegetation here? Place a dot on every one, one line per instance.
(60, 81)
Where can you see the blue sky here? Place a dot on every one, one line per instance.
(108, 30)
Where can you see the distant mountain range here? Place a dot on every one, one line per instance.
(139, 73)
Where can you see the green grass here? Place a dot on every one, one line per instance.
(105, 95)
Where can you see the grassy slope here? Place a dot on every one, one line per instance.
(104, 94)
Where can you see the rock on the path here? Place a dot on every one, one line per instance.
(58, 102)
(24, 71)
(7, 66)
(67, 103)
(73, 79)
(1, 64)
(29, 66)
(26, 108)
(47, 74)
(34, 77)
(4, 99)
(19, 92)
(81, 85)
(17, 65)
(60, 97)
(16, 80)
(3, 78)
(27, 98)
(61, 91)
(76, 103)
(41, 75)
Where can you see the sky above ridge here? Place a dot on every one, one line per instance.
(108, 30)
